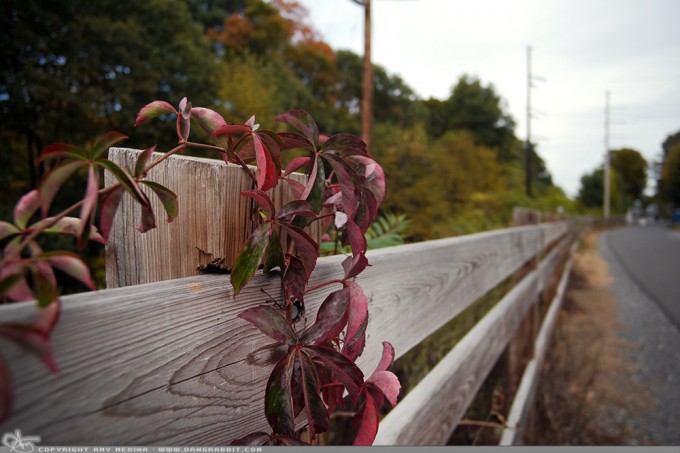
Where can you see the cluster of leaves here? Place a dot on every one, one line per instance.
(345, 187)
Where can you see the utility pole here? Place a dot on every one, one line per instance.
(607, 165)
(367, 77)
(527, 144)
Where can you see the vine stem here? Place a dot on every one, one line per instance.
(324, 284)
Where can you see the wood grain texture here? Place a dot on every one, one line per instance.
(213, 223)
(441, 398)
(170, 363)
(523, 401)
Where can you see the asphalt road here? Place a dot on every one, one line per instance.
(651, 256)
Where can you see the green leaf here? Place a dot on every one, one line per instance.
(271, 323)
(26, 207)
(104, 142)
(278, 399)
(126, 180)
(43, 288)
(71, 264)
(168, 198)
(153, 110)
(52, 182)
(250, 257)
(274, 256)
(7, 230)
(142, 160)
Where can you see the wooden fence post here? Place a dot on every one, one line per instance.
(213, 223)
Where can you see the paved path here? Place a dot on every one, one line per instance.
(645, 265)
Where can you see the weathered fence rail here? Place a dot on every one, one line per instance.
(169, 363)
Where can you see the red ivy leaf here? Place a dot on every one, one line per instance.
(343, 369)
(7, 230)
(354, 265)
(271, 323)
(266, 168)
(296, 164)
(304, 123)
(352, 234)
(68, 225)
(274, 255)
(184, 120)
(142, 160)
(345, 144)
(26, 207)
(71, 264)
(152, 110)
(317, 414)
(307, 249)
(52, 182)
(210, 121)
(355, 337)
(367, 420)
(296, 207)
(262, 199)
(33, 340)
(295, 279)
(331, 318)
(388, 383)
(61, 151)
(107, 211)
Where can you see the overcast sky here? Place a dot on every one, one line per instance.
(581, 47)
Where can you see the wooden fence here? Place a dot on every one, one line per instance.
(169, 363)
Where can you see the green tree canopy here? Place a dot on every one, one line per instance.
(631, 169)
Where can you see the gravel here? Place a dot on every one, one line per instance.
(656, 358)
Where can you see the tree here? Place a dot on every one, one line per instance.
(670, 175)
(590, 192)
(477, 109)
(74, 69)
(631, 169)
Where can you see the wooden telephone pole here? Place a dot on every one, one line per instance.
(367, 77)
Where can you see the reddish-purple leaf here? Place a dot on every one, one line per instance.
(89, 204)
(316, 186)
(355, 238)
(388, 383)
(231, 129)
(250, 256)
(67, 225)
(291, 140)
(26, 207)
(210, 122)
(7, 230)
(126, 180)
(355, 337)
(345, 144)
(6, 391)
(354, 265)
(343, 369)
(347, 183)
(294, 279)
(47, 318)
(152, 110)
(104, 142)
(32, 340)
(148, 219)
(184, 120)
(263, 200)
(296, 207)
(167, 197)
(61, 151)
(271, 323)
(317, 415)
(9, 281)
(278, 399)
(273, 143)
(266, 169)
(44, 284)
(14, 284)
(296, 164)
(331, 318)
(297, 188)
(71, 264)
(304, 123)
(387, 358)
(52, 182)
(307, 249)
(142, 160)
(107, 212)
(374, 174)
(367, 420)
